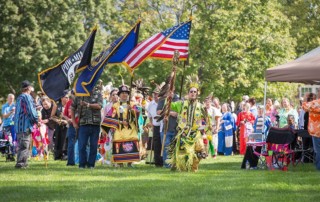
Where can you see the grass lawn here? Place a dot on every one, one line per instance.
(218, 179)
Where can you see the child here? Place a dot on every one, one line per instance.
(258, 123)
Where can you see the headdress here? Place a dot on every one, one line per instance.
(140, 87)
(164, 88)
(123, 88)
(193, 82)
(107, 89)
(158, 87)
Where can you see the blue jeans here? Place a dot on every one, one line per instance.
(169, 137)
(91, 133)
(71, 141)
(316, 147)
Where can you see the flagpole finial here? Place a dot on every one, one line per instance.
(95, 27)
(191, 11)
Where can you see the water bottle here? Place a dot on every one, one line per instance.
(247, 165)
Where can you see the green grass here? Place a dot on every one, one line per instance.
(218, 179)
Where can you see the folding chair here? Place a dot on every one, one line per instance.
(304, 151)
(280, 147)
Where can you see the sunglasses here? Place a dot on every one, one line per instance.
(192, 91)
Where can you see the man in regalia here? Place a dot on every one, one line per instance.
(187, 150)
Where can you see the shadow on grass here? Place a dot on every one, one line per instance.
(170, 189)
(226, 164)
(217, 179)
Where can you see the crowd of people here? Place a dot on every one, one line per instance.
(124, 125)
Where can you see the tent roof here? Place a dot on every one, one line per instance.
(305, 69)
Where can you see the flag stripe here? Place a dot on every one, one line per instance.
(169, 56)
(178, 40)
(161, 46)
(175, 46)
(140, 46)
(168, 52)
(182, 50)
(169, 43)
(146, 51)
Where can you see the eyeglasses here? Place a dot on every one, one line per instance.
(114, 95)
(191, 91)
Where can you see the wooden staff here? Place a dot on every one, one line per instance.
(175, 61)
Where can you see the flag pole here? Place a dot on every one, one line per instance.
(186, 62)
(182, 78)
(175, 61)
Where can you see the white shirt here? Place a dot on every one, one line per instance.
(152, 112)
(214, 112)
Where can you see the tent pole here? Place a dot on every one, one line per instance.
(264, 111)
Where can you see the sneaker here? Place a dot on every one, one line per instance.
(64, 158)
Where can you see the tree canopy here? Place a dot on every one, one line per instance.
(232, 42)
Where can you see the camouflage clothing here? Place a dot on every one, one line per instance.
(88, 115)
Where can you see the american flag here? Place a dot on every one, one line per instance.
(161, 46)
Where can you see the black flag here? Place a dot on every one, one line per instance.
(53, 81)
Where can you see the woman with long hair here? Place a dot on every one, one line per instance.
(244, 120)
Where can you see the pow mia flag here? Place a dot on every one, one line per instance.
(53, 81)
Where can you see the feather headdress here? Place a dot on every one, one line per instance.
(140, 87)
(164, 88)
(193, 81)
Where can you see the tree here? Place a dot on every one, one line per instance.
(37, 35)
(232, 42)
(235, 42)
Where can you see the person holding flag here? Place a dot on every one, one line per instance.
(186, 151)
(89, 110)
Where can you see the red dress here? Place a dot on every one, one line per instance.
(242, 116)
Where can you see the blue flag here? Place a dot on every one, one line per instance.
(55, 80)
(116, 53)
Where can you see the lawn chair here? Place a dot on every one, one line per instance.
(280, 148)
(304, 151)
